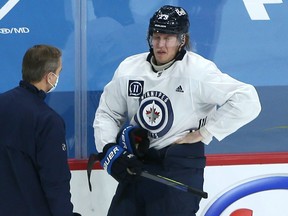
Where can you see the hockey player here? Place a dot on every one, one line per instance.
(182, 100)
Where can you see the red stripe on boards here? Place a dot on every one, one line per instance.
(213, 160)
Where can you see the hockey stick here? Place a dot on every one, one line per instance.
(92, 159)
(173, 183)
(158, 178)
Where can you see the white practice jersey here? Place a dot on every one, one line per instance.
(191, 94)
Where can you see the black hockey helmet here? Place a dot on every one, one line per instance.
(169, 20)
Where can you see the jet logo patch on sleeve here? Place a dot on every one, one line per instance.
(135, 88)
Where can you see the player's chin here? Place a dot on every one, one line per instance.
(161, 59)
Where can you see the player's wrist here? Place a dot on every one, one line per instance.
(206, 135)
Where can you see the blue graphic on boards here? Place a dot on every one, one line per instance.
(246, 189)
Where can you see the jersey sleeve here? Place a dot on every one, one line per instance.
(237, 103)
(53, 167)
(111, 113)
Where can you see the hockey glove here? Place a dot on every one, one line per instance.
(119, 163)
(135, 140)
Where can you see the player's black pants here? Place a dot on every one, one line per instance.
(143, 197)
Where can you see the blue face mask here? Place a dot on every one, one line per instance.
(55, 85)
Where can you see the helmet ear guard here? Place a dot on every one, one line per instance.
(182, 39)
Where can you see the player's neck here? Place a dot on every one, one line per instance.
(160, 67)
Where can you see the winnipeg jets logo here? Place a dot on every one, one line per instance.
(155, 113)
(152, 114)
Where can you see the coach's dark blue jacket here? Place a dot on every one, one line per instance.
(34, 173)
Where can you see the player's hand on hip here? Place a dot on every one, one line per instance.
(192, 137)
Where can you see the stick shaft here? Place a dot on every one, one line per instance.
(173, 183)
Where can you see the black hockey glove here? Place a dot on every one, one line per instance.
(120, 164)
(135, 140)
